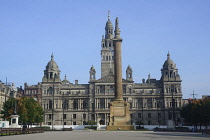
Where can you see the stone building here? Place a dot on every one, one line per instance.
(3, 96)
(151, 102)
(7, 91)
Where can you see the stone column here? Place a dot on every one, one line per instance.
(118, 70)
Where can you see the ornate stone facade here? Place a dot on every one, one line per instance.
(152, 102)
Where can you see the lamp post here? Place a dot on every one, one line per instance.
(142, 111)
(5, 98)
(65, 106)
(159, 107)
(51, 90)
(173, 104)
(173, 109)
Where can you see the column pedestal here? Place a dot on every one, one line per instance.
(119, 116)
(14, 121)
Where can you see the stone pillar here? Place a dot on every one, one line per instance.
(105, 118)
(118, 70)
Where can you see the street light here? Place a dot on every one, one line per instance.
(173, 104)
(51, 90)
(65, 106)
(85, 106)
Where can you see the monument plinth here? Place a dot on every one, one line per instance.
(14, 121)
(119, 109)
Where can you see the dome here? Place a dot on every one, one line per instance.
(169, 62)
(52, 65)
(109, 25)
(65, 81)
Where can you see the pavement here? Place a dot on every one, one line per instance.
(108, 135)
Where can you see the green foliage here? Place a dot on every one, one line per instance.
(27, 108)
(8, 108)
(91, 122)
(91, 127)
(139, 123)
(197, 112)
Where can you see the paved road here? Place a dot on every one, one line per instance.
(108, 135)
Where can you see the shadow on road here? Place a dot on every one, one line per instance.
(187, 135)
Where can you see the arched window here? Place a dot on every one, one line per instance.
(102, 103)
(50, 104)
(75, 105)
(85, 105)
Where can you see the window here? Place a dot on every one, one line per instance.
(111, 89)
(130, 90)
(139, 115)
(149, 115)
(64, 116)
(84, 123)
(74, 123)
(159, 116)
(50, 104)
(49, 123)
(102, 89)
(158, 105)
(75, 105)
(84, 104)
(84, 116)
(50, 116)
(131, 105)
(149, 103)
(74, 116)
(64, 123)
(140, 103)
(93, 116)
(102, 103)
(124, 88)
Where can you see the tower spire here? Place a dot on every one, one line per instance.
(108, 15)
(117, 29)
(168, 55)
(52, 56)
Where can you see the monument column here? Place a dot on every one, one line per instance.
(119, 109)
(118, 69)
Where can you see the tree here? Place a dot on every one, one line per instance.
(27, 108)
(91, 122)
(139, 123)
(197, 112)
(8, 108)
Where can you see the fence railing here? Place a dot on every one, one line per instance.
(16, 131)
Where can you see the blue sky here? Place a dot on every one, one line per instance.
(30, 30)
